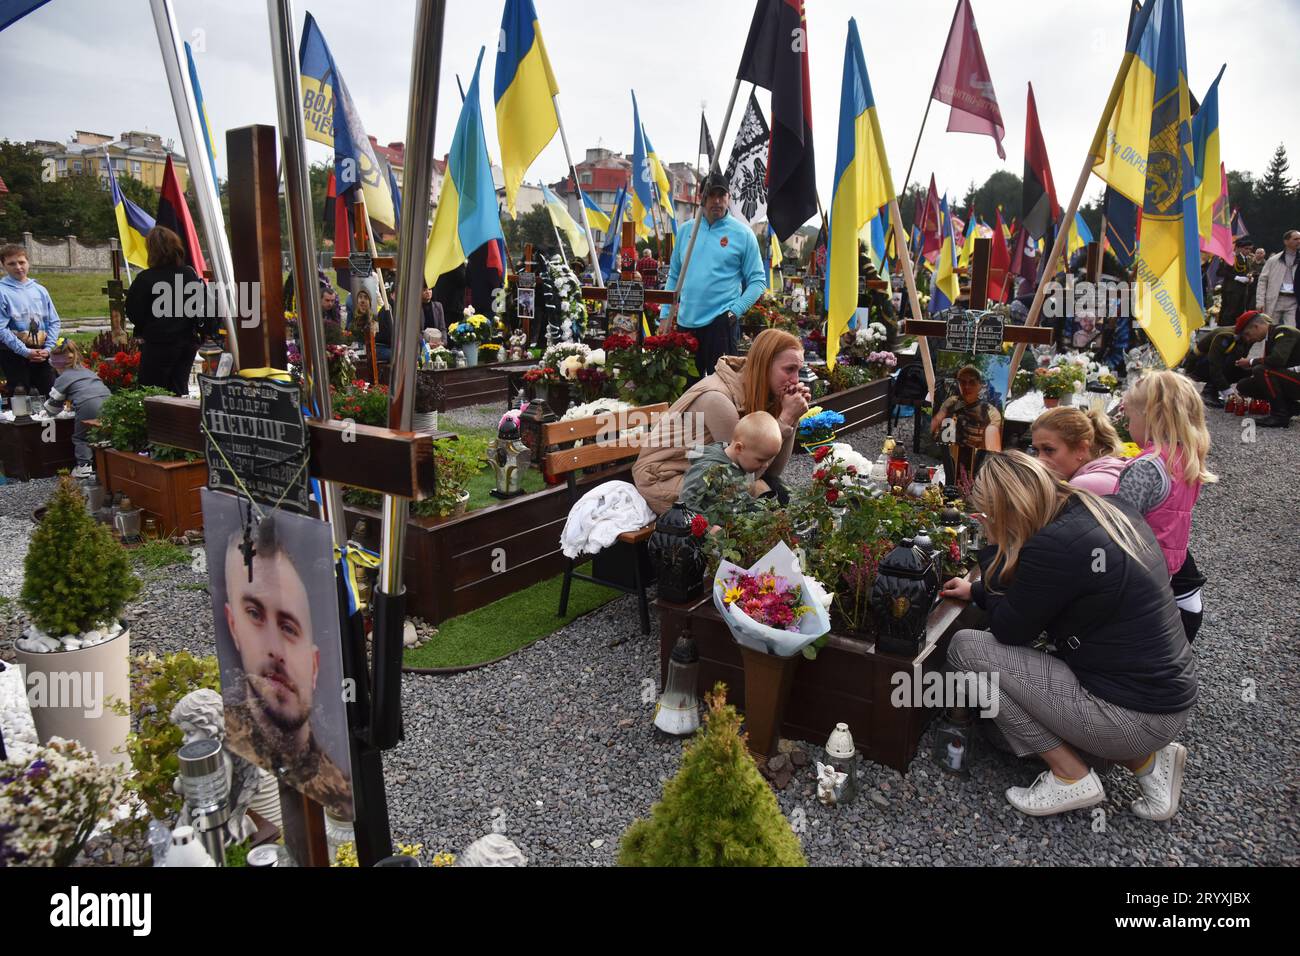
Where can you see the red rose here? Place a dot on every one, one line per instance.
(819, 474)
(821, 453)
(699, 526)
(831, 496)
(852, 469)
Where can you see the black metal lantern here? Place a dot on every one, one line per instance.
(530, 427)
(676, 555)
(906, 586)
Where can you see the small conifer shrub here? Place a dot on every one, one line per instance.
(76, 575)
(718, 810)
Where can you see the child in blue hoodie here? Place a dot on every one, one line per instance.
(29, 326)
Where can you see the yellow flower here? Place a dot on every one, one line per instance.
(1130, 450)
(732, 594)
(444, 859)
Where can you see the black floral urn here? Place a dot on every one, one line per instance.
(906, 585)
(677, 556)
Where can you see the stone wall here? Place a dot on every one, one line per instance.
(67, 255)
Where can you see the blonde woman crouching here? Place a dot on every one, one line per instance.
(1089, 572)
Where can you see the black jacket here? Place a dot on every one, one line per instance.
(1131, 650)
(167, 324)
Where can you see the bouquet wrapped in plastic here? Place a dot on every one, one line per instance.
(772, 607)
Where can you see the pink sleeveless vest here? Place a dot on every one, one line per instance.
(1171, 520)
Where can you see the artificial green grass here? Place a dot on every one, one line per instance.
(507, 625)
(77, 295)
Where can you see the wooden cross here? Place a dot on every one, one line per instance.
(116, 296)
(377, 459)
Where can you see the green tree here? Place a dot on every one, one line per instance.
(533, 226)
(1001, 188)
(717, 811)
(75, 576)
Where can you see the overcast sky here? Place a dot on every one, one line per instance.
(87, 64)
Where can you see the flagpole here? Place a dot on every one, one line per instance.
(582, 206)
(205, 186)
(1062, 235)
(699, 210)
(909, 281)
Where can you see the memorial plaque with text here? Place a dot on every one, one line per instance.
(361, 265)
(960, 336)
(988, 334)
(256, 440)
(626, 296)
(526, 280)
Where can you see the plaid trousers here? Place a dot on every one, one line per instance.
(1041, 704)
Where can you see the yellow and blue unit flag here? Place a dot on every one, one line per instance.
(642, 176)
(524, 88)
(862, 185)
(565, 223)
(133, 223)
(467, 215)
(1143, 149)
(1080, 236)
(331, 118)
(662, 187)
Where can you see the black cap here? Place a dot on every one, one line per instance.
(714, 181)
(1243, 241)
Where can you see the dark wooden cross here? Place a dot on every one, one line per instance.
(628, 243)
(378, 459)
(116, 296)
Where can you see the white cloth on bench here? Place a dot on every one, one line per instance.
(601, 515)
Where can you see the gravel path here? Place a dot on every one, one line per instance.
(554, 747)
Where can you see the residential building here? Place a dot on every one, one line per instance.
(141, 156)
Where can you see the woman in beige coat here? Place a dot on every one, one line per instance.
(767, 379)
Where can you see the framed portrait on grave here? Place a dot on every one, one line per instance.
(524, 305)
(621, 323)
(968, 405)
(279, 646)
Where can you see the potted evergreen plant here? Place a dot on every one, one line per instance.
(76, 581)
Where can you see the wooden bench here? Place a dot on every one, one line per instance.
(631, 545)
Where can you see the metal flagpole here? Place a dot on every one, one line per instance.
(302, 235)
(582, 206)
(205, 187)
(390, 603)
(699, 210)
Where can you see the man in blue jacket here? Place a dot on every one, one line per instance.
(29, 326)
(726, 277)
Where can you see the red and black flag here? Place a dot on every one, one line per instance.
(1039, 205)
(776, 58)
(338, 218)
(175, 215)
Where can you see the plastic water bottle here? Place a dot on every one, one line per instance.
(160, 841)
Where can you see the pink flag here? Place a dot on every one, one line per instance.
(964, 83)
(1220, 243)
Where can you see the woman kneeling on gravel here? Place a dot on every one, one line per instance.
(1089, 572)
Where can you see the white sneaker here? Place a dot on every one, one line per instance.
(83, 471)
(1163, 785)
(1047, 795)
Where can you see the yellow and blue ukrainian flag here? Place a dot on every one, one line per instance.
(565, 223)
(208, 144)
(876, 248)
(1080, 236)
(1143, 149)
(968, 243)
(467, 214)
(862, 185)
(946, 287)
(524, 88)
(331, 118)
(133, 223)
(595, 215)
(662, 186)
(642, 176)
(1205, 149)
